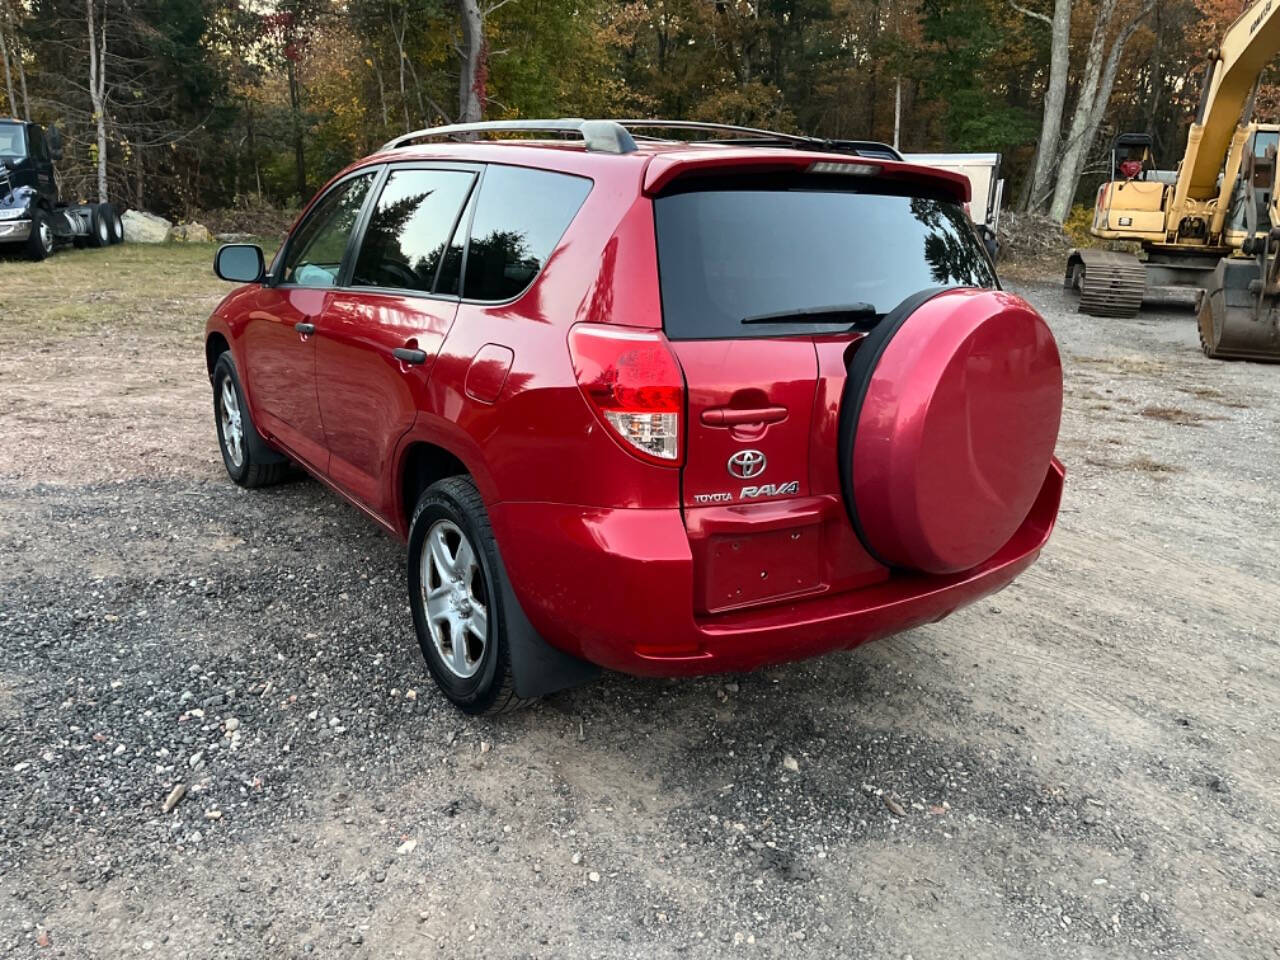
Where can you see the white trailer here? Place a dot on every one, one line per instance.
(983, 171)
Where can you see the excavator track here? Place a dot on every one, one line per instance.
(1111, 284)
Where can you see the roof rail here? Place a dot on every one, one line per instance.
(753, 132)
(603, 136)
(756, 137)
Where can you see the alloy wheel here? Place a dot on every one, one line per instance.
(456, 598)
(232, 427)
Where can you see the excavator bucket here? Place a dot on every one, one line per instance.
(1239, 320)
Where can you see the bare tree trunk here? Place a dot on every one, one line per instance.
(22, 78)
(1055, 98)
(471, 79)
(253, 146)
(382, 95)
(15, 54)
(398, 36)
(139, 178)
(1091, 103)
(98, 90)
(299, 157)
(4, 55)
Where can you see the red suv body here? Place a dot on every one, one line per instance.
(722, 405)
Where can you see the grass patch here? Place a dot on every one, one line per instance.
(126, 287)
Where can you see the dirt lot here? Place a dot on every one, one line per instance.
(1086, 765)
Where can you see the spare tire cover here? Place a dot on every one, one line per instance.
(949, 419)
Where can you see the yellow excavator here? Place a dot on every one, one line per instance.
(1206, 227)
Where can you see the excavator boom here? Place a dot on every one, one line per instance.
(1247, 47)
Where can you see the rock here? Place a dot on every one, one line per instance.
(894, 806)
(593, 877)
(233, 237)
(174, 798)
(407, 847)
(232, 724)
(192, 233)
(791, 763)
(196, 759)
(357, 937)
(142, 227)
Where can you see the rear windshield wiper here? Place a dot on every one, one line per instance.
(840, 313)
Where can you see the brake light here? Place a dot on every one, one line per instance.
(633, 381)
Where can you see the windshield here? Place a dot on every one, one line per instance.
(13, 146)
(729, 255)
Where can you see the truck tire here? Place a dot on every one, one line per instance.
(99, 225)
(115, 226)
(457, 599)
(40, 243)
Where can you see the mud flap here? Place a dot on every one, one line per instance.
(537, 668)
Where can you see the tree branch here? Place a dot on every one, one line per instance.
(1045, 18)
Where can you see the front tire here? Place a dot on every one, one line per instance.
(238, 439)
(456, 599)
(40, 243)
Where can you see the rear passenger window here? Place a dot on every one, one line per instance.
(520, 217)
(405, 240)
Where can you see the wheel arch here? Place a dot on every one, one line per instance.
(215, 345)
(422, 463)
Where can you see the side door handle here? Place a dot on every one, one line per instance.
(306, 329)
(408, 355)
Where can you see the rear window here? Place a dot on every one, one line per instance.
(728, 254)
(520, 217)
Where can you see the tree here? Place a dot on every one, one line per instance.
(97, 27)
(1091, 101)
(1055, 99)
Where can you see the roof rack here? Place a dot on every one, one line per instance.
(756, 137)
(603, 136)
(614, 136)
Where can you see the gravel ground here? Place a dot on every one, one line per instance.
(217, 738)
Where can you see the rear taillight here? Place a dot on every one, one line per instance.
(633, 380)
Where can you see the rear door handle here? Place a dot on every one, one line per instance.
(733, 416)
(306, 329)
(407, 355)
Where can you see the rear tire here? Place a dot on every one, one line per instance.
(40, 244)
(456, 599)
(99, 226)
(238, 439)
(115, 226)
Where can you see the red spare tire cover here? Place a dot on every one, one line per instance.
(949, 420)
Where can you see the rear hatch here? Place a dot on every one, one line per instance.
(769, 281)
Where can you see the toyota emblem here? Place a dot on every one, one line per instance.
(746, 464)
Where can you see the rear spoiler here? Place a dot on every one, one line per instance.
(667, 167)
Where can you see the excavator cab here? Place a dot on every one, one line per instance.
(1131, 156)
(1239, 313)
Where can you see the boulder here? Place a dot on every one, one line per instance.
(142, 227)
(192, 233)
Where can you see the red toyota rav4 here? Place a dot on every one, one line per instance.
(666, 407)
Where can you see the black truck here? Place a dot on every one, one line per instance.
(33, 216)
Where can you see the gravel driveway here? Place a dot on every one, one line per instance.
(217, 738)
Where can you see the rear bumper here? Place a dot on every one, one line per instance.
(616, 587)
(14, 231)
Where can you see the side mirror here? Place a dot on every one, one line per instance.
(239, 263)
(53, 136)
